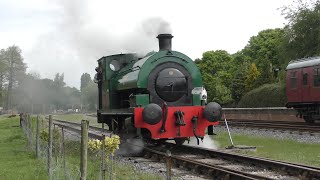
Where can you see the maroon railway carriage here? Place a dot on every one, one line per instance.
(303, 87)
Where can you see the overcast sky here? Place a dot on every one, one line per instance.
(68, 36)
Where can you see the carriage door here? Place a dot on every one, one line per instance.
(305, 88)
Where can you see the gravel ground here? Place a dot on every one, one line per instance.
(154, 167)
(131, 155)
(278, 134)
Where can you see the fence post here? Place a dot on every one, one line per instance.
(54, 150)
(63, 155)
(84, 149)
(37, 137)
(110, 162)
(50, 147)
(42, 122)
(28, 124)
(168, 164)
(111, 167)
(103, 155)
(29, 130)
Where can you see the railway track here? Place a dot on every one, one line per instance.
(279, 125)
(214, 163)
(252, 166)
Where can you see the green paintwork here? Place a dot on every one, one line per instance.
(129, 80)
(108, 74)
(196, 99)
(142, 99)
(122, 58)
(138, 76)
(172, 56)
(134, 74)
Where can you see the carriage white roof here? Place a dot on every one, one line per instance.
(305, 62)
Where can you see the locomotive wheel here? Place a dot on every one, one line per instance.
(179, 141)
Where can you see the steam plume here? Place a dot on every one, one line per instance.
(75, 44)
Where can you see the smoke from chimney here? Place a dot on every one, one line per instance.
(75, 41)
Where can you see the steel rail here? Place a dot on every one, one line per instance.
(274, 125)
(75, 127)
(290, 168)
(271, 121)
(205, 168)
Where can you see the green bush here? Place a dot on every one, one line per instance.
(268, 95)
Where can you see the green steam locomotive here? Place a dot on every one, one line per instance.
(160, 96)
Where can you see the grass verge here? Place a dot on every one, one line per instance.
(17, 161)
(284, 150)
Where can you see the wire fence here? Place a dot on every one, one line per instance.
(65, 152)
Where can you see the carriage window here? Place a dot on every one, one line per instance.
(305, 79)
(293, 79)
(316, 77)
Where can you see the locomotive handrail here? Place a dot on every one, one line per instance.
(155, 60)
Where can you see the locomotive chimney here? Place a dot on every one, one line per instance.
(165, 42)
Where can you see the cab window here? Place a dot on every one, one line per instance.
(316, 77)
(293, 79)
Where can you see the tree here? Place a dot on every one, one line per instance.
(88, 92)
(303, 29)
(36, 95)
(216, 69)
(266, 51)
(30, 93)
(3, 70)
(252, 76)
(240, 70)
(60, 99)
(85, 81)
(59, 81)
(73, 97)
(90, 96)
(15, 68)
